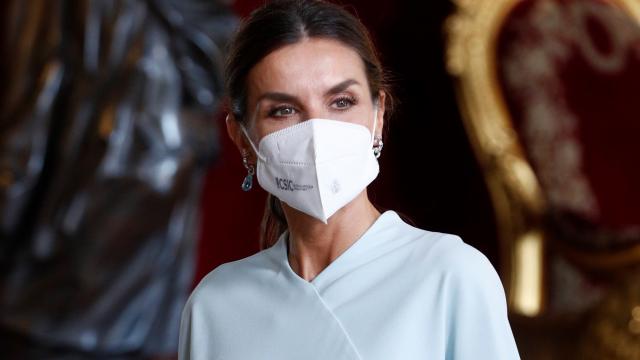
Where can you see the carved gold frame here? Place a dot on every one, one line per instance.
(515, 191)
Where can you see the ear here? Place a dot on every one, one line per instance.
(237, 136)
(382, 97)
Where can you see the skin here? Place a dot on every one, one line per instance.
(314, 78)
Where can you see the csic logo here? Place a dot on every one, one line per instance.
(289, 185)
(284, 184)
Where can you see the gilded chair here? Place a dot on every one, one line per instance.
(549, 91)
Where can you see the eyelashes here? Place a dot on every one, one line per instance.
(341, 103)
(345, 102)
(282, 111)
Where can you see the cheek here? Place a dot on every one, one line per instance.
(260, 131)
(264, 127)
(363, 115)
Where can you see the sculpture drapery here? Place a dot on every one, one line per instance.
(107, 126)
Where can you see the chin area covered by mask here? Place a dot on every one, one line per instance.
(317, 166)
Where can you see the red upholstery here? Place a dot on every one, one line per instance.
(570, 71)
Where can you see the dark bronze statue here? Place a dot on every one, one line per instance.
(106, 128)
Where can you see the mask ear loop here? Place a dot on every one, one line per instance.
(246, 134)
(375, 122)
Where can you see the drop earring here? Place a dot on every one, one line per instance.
(377, 146)
(247, 183)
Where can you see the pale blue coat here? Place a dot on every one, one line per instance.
(397, 293)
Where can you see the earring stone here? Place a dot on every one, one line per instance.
(377, 146)
(247, 183)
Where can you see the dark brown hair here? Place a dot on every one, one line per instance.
(284, 22)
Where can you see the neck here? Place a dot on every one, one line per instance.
(313, 245)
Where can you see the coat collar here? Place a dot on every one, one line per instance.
(359, 251)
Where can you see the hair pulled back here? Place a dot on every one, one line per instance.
(275, 25)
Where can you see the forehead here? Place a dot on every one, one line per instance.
(313, 64)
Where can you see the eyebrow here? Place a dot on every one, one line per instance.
(279, 96)
(342, 86)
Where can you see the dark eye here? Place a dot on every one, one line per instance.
(282, 111)
(344, 103)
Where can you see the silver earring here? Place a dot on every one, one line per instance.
(377, 146)
(247, 183)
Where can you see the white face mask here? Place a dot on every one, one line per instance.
(317, 166)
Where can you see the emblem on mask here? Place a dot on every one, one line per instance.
(289, 185)
(335, 187)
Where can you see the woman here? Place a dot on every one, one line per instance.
(338, 280)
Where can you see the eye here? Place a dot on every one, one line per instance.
(344, 103)
(282, 111)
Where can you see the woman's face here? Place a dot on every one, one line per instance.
(314, 78)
